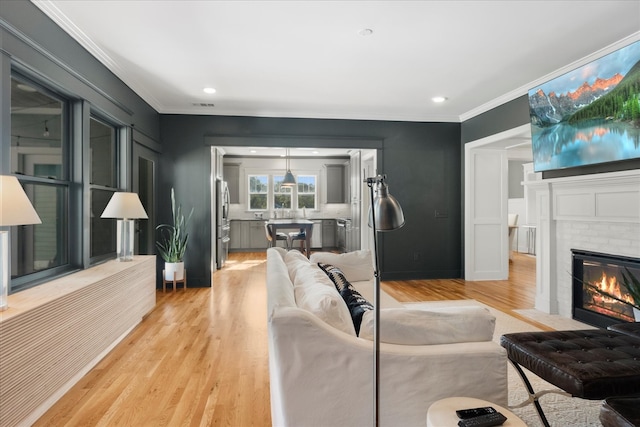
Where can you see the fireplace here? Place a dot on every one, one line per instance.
(594, 271)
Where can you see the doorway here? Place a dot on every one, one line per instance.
(487, 241)
(145, 163)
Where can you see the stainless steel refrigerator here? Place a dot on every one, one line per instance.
(223, 225)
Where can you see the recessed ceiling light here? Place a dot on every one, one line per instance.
(209, 90)
(365, 32)
(438, 99)
(315, 152)
(253, 151)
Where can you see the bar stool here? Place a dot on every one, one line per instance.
(302, 236)
(279, 236)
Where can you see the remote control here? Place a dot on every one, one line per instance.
(474, 412)
(494, 419)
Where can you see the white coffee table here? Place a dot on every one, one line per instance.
(443, 412)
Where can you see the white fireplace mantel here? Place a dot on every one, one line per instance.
(599, 213)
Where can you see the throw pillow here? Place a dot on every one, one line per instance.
(355, 302)
(428, 327)
(315, 293)
(356, 266)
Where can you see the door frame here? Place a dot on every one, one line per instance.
(144, 152)
(471, 196)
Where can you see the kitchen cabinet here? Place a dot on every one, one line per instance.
(232, 176)
(316, 235)
(337, 183)
(328, 233)
(247, 235)
(257, 235)
(239, 235)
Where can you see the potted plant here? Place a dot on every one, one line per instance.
(632, 284)
(173, 241)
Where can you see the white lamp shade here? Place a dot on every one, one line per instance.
(124, 205)
(15, 207)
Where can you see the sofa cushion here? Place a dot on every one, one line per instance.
(315, 293)
(355, 302)
(295, 261)
(281, 295)
(427, 327)
(356, 265)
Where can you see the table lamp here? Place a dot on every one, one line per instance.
(385, 214)
(126, 207)
(15, 209)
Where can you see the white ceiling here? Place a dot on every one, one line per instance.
(307, 59)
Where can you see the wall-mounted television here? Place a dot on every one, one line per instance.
(590, 115)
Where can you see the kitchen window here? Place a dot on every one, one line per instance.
(306, 191)
(266, 192)
(281, 195)
(258, 192)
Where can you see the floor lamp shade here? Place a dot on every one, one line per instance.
(386, 210)
(126, 207)
(15, 209)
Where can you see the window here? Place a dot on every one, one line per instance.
(39, 156)
(102, 185)
(263, 196)
(281, 195)
(306, 191)
(47, 157)
(258, 192)
(102, 147)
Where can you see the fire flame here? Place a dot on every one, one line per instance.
(610, 286)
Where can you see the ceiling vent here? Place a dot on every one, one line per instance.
(203, 104)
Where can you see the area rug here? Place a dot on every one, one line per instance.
(561, 411)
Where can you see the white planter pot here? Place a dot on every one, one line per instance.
(170, 268)
(636, 314)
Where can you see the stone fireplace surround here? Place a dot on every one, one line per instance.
(598, 213)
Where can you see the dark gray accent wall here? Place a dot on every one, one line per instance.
(421, 160)
(504, 117)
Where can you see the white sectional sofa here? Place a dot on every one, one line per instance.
(321, 372)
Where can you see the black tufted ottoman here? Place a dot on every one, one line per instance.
(632, 328)
(590, 364)
(620, 412)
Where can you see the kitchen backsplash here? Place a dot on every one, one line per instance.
(332, 210)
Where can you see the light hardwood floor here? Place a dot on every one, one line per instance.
(200, 357)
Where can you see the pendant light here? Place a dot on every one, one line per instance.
(289, 180)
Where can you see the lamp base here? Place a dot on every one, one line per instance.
(125, 230)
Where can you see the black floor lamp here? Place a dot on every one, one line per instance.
(385, 214)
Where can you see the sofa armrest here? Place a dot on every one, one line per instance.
(320, 375)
